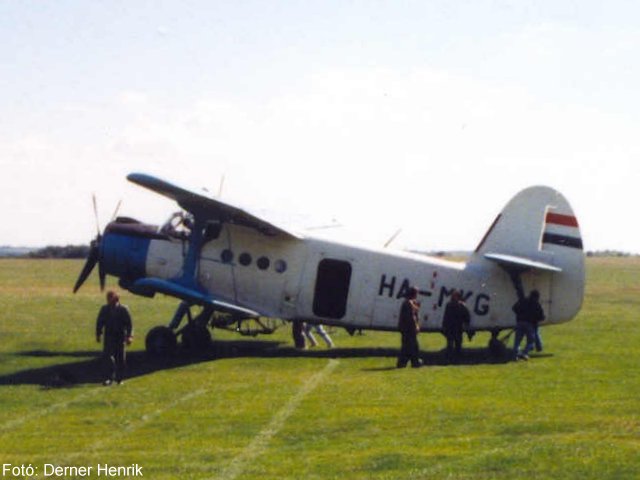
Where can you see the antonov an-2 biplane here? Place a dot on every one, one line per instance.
(235, 267)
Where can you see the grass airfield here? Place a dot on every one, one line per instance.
(257, 409)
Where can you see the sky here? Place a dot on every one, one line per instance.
(372, 116)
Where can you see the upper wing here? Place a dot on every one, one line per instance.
(209, 208)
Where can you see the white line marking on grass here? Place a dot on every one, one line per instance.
(16, 422)
(156, 413)
(65, 459)
(146, 418)
(260, 442)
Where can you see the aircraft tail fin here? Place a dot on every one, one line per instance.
(537, 234)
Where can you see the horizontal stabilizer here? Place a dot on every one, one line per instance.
(512, 262)
(151, 286)
(209, 208)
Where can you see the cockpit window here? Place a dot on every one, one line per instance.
(212, 231)
(179, 225)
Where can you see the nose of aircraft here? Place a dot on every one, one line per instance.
(124, 255)
(121, 251)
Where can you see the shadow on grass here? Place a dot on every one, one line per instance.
(469, 357)
(47, 354)
(90, 369)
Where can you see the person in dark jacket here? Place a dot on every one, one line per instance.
(409, 326)
(456, 318)
(114, 321)
(529, 314)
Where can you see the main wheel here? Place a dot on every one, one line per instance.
(196, 337)
(160, 341)
(497, 348)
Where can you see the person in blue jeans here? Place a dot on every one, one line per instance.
(529, 314)
(537, 338)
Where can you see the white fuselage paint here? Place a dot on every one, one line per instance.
(377, 281)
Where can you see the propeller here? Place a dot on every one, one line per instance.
(92, 259)
(94, 252)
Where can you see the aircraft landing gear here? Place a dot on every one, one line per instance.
(161, 341)
(195, 334)
(497, 346)
(196, 337)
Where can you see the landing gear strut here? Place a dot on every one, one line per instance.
(195, 334)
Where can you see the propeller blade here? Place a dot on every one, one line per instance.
(115, 212)
(102, 275)
(92, 259)
(95, 213)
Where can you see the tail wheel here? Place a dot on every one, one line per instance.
(160, 341)
(497, 348)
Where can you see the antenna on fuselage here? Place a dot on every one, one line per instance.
(393, 237)
(221, 186)
(334, 224)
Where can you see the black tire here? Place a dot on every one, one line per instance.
(196, 338)
(160, 342)
(497, 348)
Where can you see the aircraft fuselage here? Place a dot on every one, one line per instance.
(324, 282)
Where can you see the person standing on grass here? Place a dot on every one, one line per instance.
(456, 318)
(529, 314)
(114, 321)
(409, 326)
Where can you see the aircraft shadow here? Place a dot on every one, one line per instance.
(47, 354)
(90, 369)
(469, 356)
(476, 356)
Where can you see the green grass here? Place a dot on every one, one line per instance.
(259, 410)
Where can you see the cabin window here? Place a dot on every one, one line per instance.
(332, 288)
(226, 256)
(263, 263)
(280, 266)
(244, 259)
